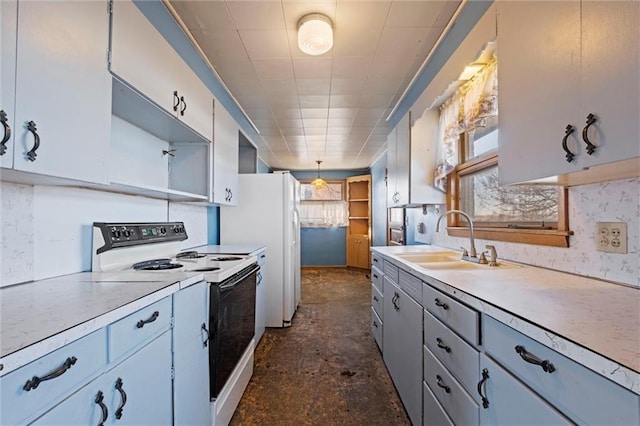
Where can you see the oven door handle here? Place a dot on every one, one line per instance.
(237, 280)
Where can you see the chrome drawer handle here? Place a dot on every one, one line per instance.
(485, 377)
(441, 304)
(441, 345)
(152, 318)
(546, 365)
(446, 388)
(35, 380)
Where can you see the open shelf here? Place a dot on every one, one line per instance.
(359, 229)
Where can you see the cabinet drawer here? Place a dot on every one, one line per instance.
(90, 353)
(376, 302)
(376, 260)
(459, 317)
(376, 278)
(190, 307)
(462, 409)
(390, 271)
(376, 328)
(411, 285)
(462, 359)
(138, 328)
(581, 394)
(509, 402)
(434, 414)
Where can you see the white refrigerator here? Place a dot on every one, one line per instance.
(267, 213)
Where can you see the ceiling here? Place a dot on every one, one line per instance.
(331, 107)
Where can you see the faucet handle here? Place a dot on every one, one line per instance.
(493, 260)
(482, 259)
(465, 253)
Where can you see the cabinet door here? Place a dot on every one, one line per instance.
(8, 17)
(610, 85)
(197, 110)
(64, 88)
(191, 403)
(225, 157)
(539, 90)
(424, 140)
(135, 392)
(402, 347)
(509, 402)
(190, 314)
(403, 159)
(392, 187)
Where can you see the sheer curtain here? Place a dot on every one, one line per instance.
(467, 109)
(323, 214)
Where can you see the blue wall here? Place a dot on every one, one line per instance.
(324, 246)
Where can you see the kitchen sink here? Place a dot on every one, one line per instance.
(435, 256)
(442, 260)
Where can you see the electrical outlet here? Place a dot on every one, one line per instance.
(611, 237)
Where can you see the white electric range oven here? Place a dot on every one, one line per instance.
(144, 251)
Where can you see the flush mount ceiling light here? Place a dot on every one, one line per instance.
(315, 34)
(318, 182)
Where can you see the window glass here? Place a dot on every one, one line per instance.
(482, 197)
(332, 191)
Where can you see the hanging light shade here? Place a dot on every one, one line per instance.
(315, 34)
(319, 182)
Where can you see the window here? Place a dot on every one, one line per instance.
(323, 207)
(532, 214)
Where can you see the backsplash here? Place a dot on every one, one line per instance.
(47, 231)
(616, 201)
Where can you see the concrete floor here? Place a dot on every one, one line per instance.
(326, 369)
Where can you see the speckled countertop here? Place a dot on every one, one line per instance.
(41, 316)
(594, 322)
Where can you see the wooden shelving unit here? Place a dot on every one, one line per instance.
(359, 228)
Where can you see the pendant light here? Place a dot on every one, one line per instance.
(318, 182)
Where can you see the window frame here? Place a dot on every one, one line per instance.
(457, 227)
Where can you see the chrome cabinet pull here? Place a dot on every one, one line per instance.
(546, 365)
(123, 398)
(567, 131)
(591, 119)
(7, 132)
(35, 380)
(485, 377)
(152, 318)
(31, 155)
(105, 411)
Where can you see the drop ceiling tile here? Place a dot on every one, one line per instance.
(315, 131)
(273, 69)
(314, 123)
(341, 112)
(274, 88)
(344, 101)
(351, 67)
(256, 15)
(263, 44)
(313, 87)
(203, 15)
(233, 67)
(288, 132)
(347, 86)
(315, 139)
(382, 85)
(339, 139)
(294, 10)
(277, 102)
(375, 101)
(314, 101)
(415, 13)
(244, 86)
(339, 131)
(220, 42)
(340, 122)
(318, 67)
(279, 113)
(290, 123)
(313, 112)
(249, 101)
(402, 42)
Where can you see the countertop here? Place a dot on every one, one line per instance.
(594, 322)
(41, 316)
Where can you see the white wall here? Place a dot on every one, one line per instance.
(617, 201)
(46, 231)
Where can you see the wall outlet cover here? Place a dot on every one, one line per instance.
(611, 237)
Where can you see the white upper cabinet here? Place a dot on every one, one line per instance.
(145, 61)
(411, 161)
(225, 158)
(8, 17)
(581, 61)
(61, 121)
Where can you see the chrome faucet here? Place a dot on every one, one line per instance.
(472, 254)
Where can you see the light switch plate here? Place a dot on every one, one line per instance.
(611, 237)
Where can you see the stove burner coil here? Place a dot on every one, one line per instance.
(155, 265)
(189, 255)
(226, 258)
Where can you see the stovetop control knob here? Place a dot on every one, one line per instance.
(127, 233)
(163, 230)
(115, 233)
(176, 229)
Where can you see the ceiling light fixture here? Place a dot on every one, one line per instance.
(318, 182)
(315, 34)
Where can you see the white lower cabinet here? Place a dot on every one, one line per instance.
(402, 347)
(134, 392)
(507, 401)
(434, 414)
